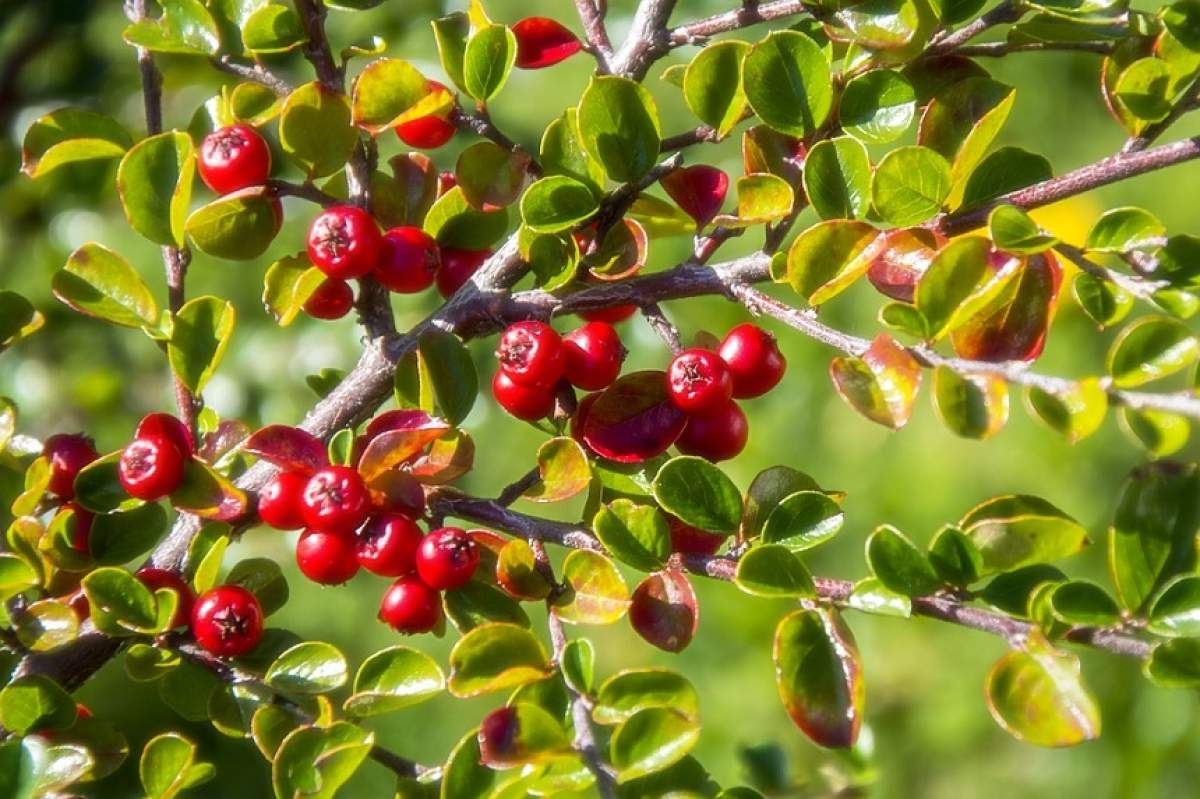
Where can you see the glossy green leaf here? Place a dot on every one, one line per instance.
(1037, 696)
(98, 282)
(1013, 231)
(971, 405)
(1125, 229)
(629, 692)
(562, 152)
(315, 131)
(393, 679)
(1018, 530)
(46, 625)
(910, 185)
(492, 657)
(761, 198)
(619, 127)
(238, 226)
(491, 176)
(313, 667)
(451, 33)
(154, 182)
(771, 570)
(1172, 664)
(1079, 602)
(1159, 432)
(1143, 89)
(837, 178)
(68, 136)
(168, 766)
(272, 29)
(34, 702)
(487, 61)
(386, 92)
(828, 257)
(803, 520)
(1075, 413)
(288, 284)
(819, 676)
(454, 223)
(898, 564)
(521, 734)
(1149, 349)
(963, 121)
(314, 762)
(1005, 170)
(787, 82)
(699, 494)
(464, 776)
(1103, 301)
(872, 596)
(636, 535)
(955, 557)
(878, 106)
(199, 338)
(955, 274)
(185, 27)
(651, 740)
(595, 592)
(557, 203)
(478, 603)
(712, 85)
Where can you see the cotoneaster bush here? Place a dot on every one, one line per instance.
(118, 548)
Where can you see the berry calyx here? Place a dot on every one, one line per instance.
(150, 468)
(716, 436)
(543, 42)
(279, 501)
(234, 158)
(699, 382)
(754, 360)
(67, 454)
(164, 425)
(428, 132)
(154, 578)
(691, 540)
(335, 500)
(447, 558)
(227, 621)
(333, 299)
(344, 242)
(409, 606)
(528, 403)
(592, 356)
(458, 266)
(408, 260)
(531, 353)
(326, 558)
(387, 545)
(611, 314)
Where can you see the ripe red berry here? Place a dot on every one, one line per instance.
(458, 266)
(335, 500)
(333, 299)
(67, 454)
(344, 242)
(227, 621)
(754, 360)
(427, 132)
(279, 501)
(692, 540)
(543, 42)
(154, 578)
(387, 545)
(81, 535)
(164, 425)
(528, 403)
(716, 436)
(326, 558)
(409, 606)
(699, 382)
(233, 158)
(447, 558)
(150, 468)
(612, 314)
(592, 356)
(408, 260)
(531, 353)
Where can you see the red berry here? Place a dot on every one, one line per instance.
(754, 360)
(79, 603)
(227, 621)
(150, 468)
(154, 578)
(67, 454)
(458, 266)
(335, 500)
(279, 501)
(409, 606)
(387, 545)
(81, 535)
(408, 260)
(529, 403)
(233, 158)
(717, 436)
(699, 382)
(446, 181)
(543, 42)
(326, 558)
(333, 299)
(447, 558)
(344, 242)
(531, 353)
(612, 314)
(592, 356)
(164, 425)
(692, 540)
(427, 132)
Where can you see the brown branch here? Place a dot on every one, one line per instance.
(305, 191)
(591, 15)
(255, 72)
(480, 122)
(647, 40)
(750, 13)
(1001, 49)
(1002, 14)
(697, 135)
(663, 326)
(316, 45)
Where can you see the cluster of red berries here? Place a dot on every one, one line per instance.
(703, 384)
(344, 530)
(535, 360)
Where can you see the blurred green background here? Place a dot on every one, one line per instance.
(928, 733)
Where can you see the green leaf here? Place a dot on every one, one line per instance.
(877, 107)
(970, 405)
(98, 282)
(578, 665)
(1037, 697)
(1160, 433)
(699, 494)
(827, 258)
(145, 663)
(272, 29)
(168, 766)
(238, 226)
(393, 679)
(910, 185)
(1075, 413)
(154, 181)
(651, 740)
(1013, 231)
(803, 520)
(564, 471)
(314, 762)
(464, 776)
(386, 92)
(1103, 301)
(1172, 664)
(123, 535)
(18, 319)
(963, 121)
(1083, 603)
(1125, 229)
(771, 570)
(881, 385)
(478, 603)
(120, 603)
(492, 657)
(488, 60)
(454, 223)
(562, 153)
(788, 84)
(45, 625)
(819, 676)
(871, 596)
(1006, 170)
(761, 198)
(595, 591)
(185, 27)
(1144, 89)
(712, 85)
(837, 178)
(898, 564)
(953, 277)
(955, 557)
(312, 667)
(1018, 530)
(1149, 349)
(491, 176)
(636, 535)
(768, 488)
(557, 203)
(629, 692)
(69, 136)
(451, 373)
(315, 131)
(33, 703)
(521, 734)
(1175, 612)
(199, 339)
(619, 127)
(451, 32)
(288, 284)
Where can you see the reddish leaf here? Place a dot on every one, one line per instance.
(397, 491)
(819, 676)
(542, 42)
(698, 190)
(407, 419)
(633, 419)
(394, 447)
(621, 254)
(664, 610)
(904, 258)
(520, 735)
(490, 545)
(451, 456)
(208, 494)
(229, 433)
(882, 384)
(1013, 325)
(289, 448)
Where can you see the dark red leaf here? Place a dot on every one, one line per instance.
(698, 190)
(398, 420)
(542, 42)
(664, 610)
(633, 419)
(229, 433)
(289, 448)
(903, 258)
(394, 447)
(1012, 327)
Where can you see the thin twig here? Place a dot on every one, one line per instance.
(1001, 49)
(1004, 13)
(305, 191)
(255, 72)
(663, 326)
(480, 122)
(596, 33)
